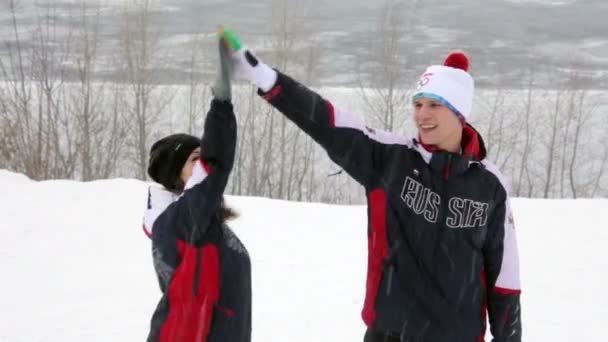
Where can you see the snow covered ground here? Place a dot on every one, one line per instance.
(76, 266)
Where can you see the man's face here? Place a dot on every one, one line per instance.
(437, 125)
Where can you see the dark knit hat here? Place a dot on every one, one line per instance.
(167, 158)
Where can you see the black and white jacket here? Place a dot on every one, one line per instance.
(442, 250)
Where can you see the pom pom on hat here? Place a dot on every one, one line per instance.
(457, 60)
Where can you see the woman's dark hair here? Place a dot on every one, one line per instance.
(227, 213)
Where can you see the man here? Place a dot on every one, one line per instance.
(442, 250)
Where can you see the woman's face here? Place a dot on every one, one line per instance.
(187, 169)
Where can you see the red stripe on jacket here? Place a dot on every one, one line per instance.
(190, 307)
(377, 252)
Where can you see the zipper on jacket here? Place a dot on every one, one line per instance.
(444, 192)
(447, 169)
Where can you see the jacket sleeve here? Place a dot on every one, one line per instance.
(502, 274)
(358, 149)
(187, 219)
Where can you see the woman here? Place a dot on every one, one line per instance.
(203, 269)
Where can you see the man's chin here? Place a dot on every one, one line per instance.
(427, 139)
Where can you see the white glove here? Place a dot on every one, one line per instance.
(247, 66)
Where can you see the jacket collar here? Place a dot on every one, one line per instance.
(158, 200)
(448, 163)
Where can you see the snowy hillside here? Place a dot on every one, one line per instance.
(76, 265)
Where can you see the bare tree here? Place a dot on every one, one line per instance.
(384, 72)
(287, 31)
(503, 129)
(307, 168)
(569, 115)
(140, 45)
(17, 103)
(528, 132)
(245, 179)
(301, 145)
(85, 103)
(582, 115)
(197, 89)
(602, 165)
(555, 117)
(33, 97)
(96, 106)
(246, 130)
(272, 149)
(256, 170)
(52, 50)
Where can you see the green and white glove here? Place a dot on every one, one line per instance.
(246, 65)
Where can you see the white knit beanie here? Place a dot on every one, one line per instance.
(450, 84)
